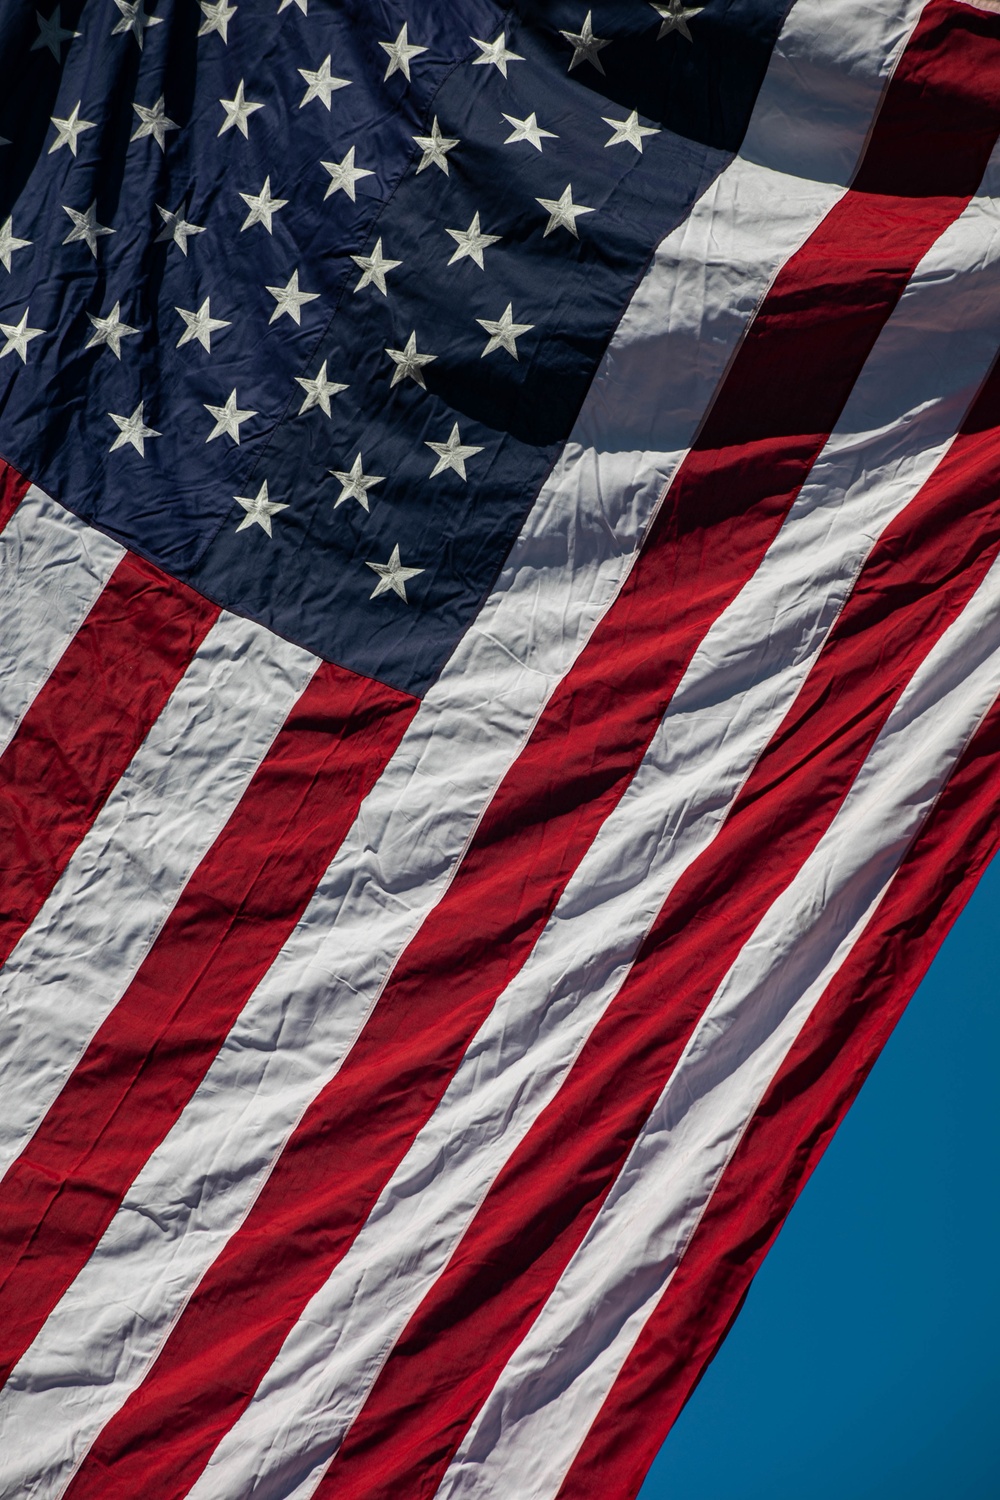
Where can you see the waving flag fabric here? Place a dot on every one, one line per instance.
(499, 702)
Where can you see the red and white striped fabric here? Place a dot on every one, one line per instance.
(399, 1096)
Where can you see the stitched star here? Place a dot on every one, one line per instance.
(471, 242)
(9, 242)
(435, 148)
(132, 430)
(262, 206)
(344, 175)
(259, 509)
(392, 576)
(401, 53)
(355, 483)
(51, 33)
(153, 122)
(528, 130)
(410, 364)
(200, 325)
(504, 332)
(110, 331)
(217, 18)
(375, 268)
(320, 84)
(176, 229)
(228, 419)
(86, 229)
(452, 454)
(563, 212)
(238, 112)
(18, 336)
(586, 45)
(69, 130)
(135, 20)
(628, 132)
(496, 53)
(290, 300)
(318, 391)
(674, 16)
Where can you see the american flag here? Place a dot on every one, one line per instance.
(499, 702)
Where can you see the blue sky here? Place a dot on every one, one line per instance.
(866, 1361)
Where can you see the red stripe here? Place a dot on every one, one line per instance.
(12, 491)
(84, 727)
(918, 579)
(146, 1061)
(805, 350)
(796, 1121)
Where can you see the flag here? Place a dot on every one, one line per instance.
(501, 702)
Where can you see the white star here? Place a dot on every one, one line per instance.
(452, 454)
(217, 18)
(320, 85)
(290, 300)
(110, 331)
(355, 483)
(85, 229)
(495, 53)
(177, 229)
(18, 337)
(262, 206)
(134, 19)
(401, 52)
(528, 130)
(344, 175)
(200, 325)
(51, 33)
(303, 6)
(238, 112)
(504, 332)
(563, 212)
(259, 510)
(586, 45)
(392, 576)
(435, 148)
(68, 130)
(675, 16)
(409, 363)
(153, 122)
(318, 391)
(228, 419)
(628, 132)
(375, 268)
(471, 242)
(132, 430)
(9, 242)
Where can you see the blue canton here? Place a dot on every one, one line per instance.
(300, 300)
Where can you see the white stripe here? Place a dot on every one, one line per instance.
(825, 83)
(52, 569)
(529, 1431)
(741, 682)
(75, 961)
(563, 573)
